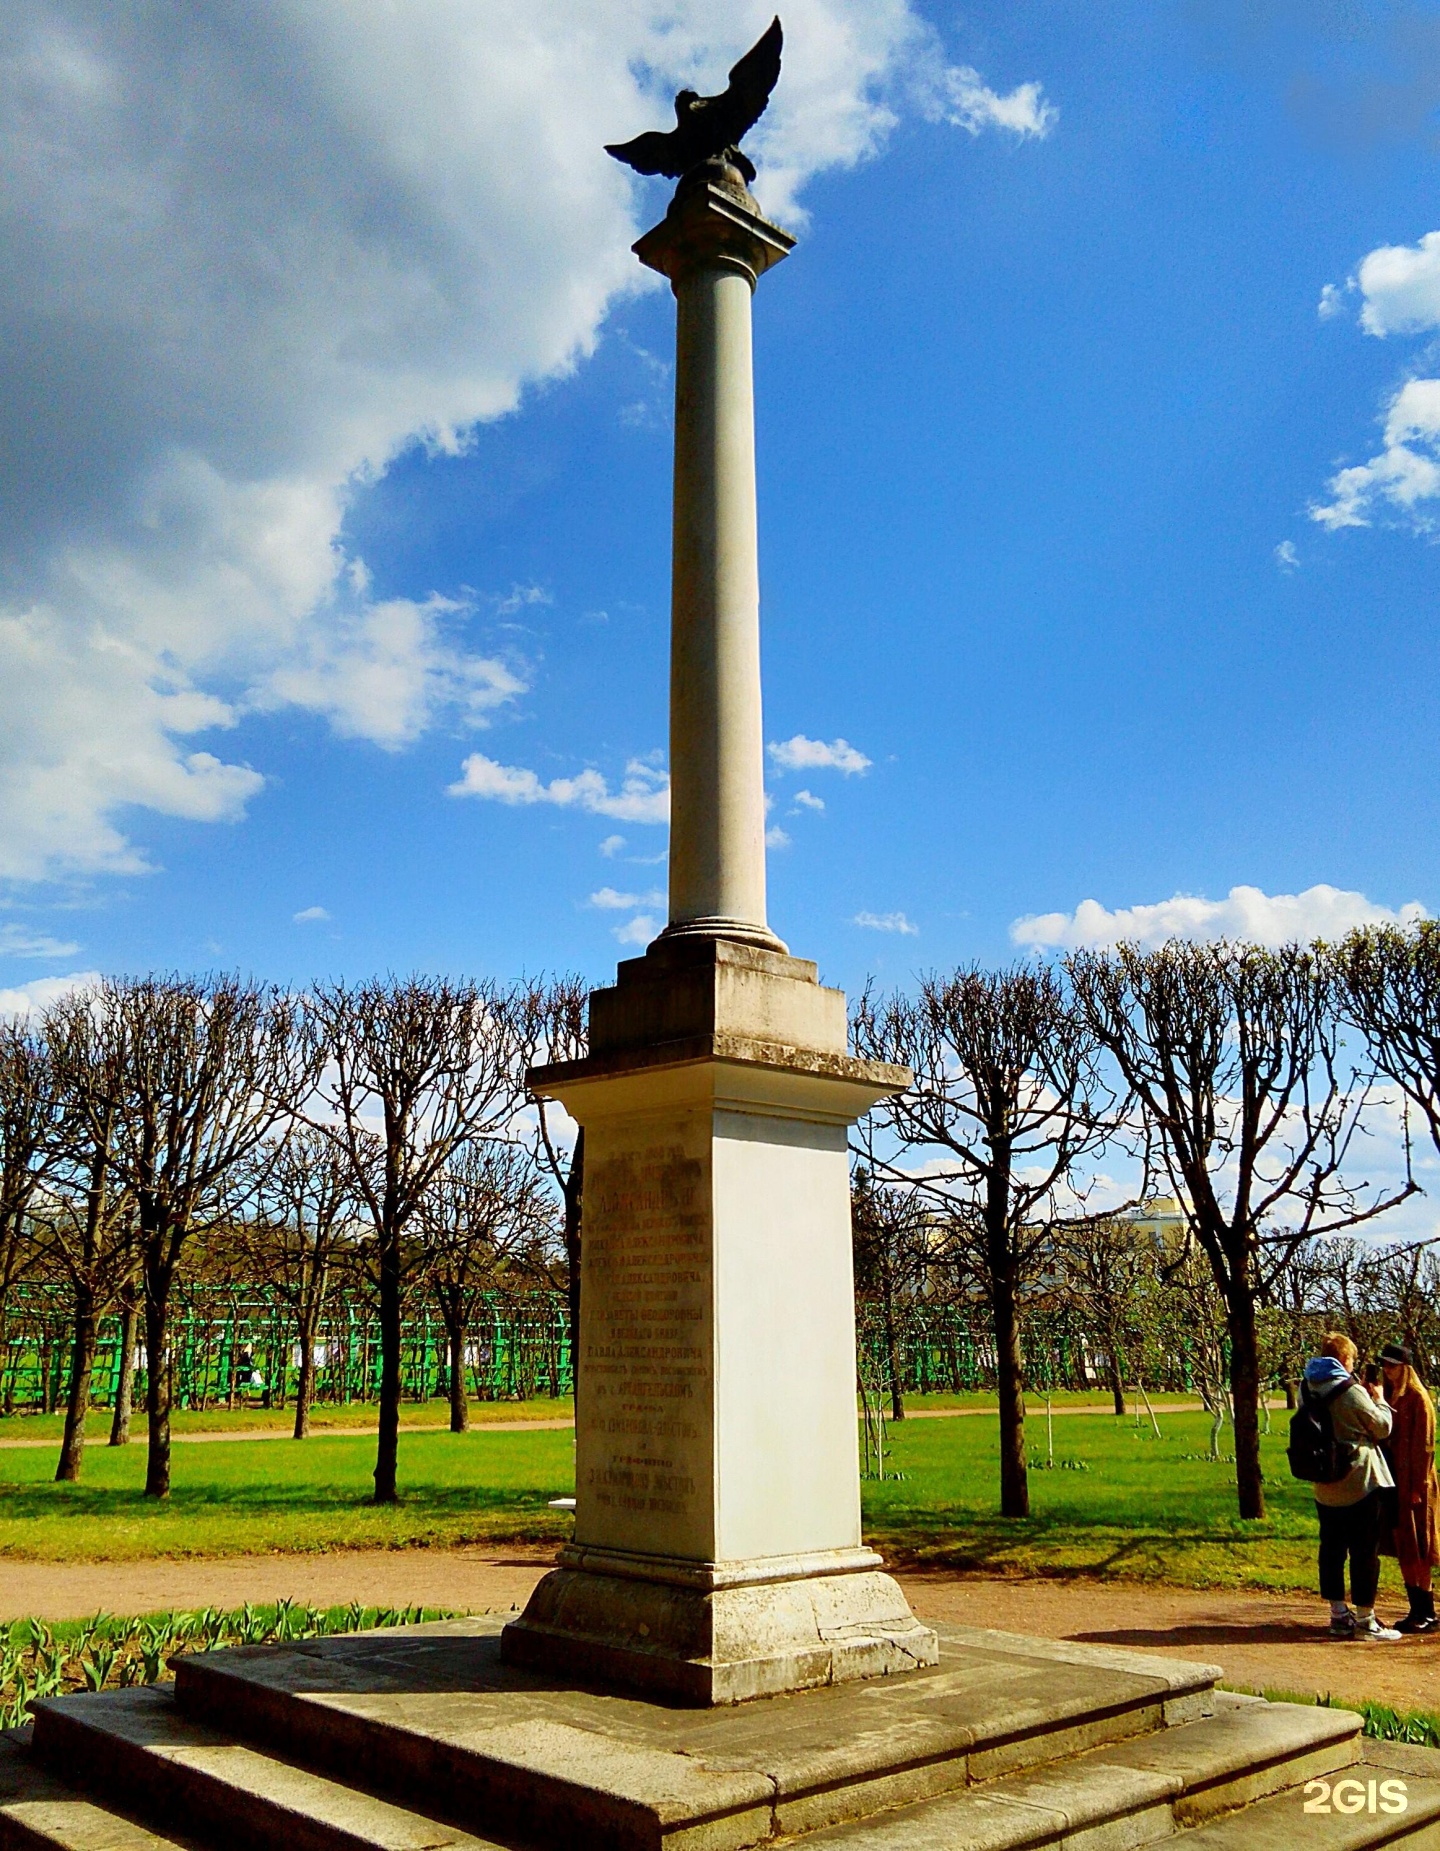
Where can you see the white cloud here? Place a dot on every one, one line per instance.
(388, 673)
(1404, 477)
(638, 931)
(612, 846)
(1401, 287)
(807, 801)
(887, 922)
(775, 837)
(1332, 300)
(643, 797)
(1245, 913)
(17, 941)
(1286, 557)
(960, 96)
(802, 754)
(253, 255)
(520, 596)
(611, 901)
(40, 992)
(310, 915)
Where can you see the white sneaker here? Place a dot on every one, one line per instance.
(1372, 1629)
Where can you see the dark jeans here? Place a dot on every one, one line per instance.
(1353, 1530)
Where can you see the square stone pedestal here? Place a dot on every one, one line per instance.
(717, 1552)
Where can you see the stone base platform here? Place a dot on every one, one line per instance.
(697, 1638)
(424, 1740)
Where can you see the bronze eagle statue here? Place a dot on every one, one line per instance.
(706, 126)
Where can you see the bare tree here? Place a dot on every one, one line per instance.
(1199, 1312)
(302, 1212)
(1008, 1094)
(1233, 1054)
(488, 1219)
(552, 1019)
(1390, 986)
(1107, 1265)
(93, 1222)
(891, 1228)
(436, 1064)
(1297, 1290)
(30, 1116)
(207, 1069)
(129, 1308)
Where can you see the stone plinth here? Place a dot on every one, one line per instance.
(717, 1552)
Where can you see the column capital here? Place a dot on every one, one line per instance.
(713, 219)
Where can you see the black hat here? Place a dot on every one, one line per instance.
(1396, 1353)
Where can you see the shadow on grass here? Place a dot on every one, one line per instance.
(1195, 1554)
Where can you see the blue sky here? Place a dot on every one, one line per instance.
(1045, 420)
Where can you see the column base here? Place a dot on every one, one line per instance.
(710, 1634)
(738, 931)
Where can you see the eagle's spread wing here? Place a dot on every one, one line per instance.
(710, 124)
(751, 81)
(714, 123)
(648, 154)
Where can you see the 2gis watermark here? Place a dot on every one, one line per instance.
(1350, 1794)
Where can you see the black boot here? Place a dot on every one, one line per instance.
(1421, 1617)
(1428, 1622)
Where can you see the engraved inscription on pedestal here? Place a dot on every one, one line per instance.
(643, 1445)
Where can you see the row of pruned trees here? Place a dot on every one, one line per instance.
(1240, 1080)
(388, 1122)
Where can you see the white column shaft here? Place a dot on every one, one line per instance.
(717, 772)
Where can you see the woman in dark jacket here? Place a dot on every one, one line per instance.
(1412, 1458)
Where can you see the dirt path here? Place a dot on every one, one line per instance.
(476, 1580)
(316, 1433)
(1261, 1640)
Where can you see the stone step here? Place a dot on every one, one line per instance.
(1127, 1794)
(437, 1721)
(1295, 1821)
(132, 1749)
(155, 1780)
(40, 1813)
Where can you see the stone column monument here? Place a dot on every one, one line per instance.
(717, 1552)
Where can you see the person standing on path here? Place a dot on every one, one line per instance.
(1350, 1508)
(1412, 1458)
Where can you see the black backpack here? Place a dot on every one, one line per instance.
(1314, 1453)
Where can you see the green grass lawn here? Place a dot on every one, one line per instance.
(1145, 1509)
(253, 1496)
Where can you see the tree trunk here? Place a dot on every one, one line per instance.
(388, 1449)
(1117, 1382)
(157, 1376)
(1014, 1479)
(125, 1381)
(82, 1364)
(892, 1353)
(1290, 1394)
(574, 1197)
(305, 1380)
(1245, 1400)
(459, 1400)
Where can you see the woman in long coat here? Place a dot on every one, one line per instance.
(1417, 1491)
